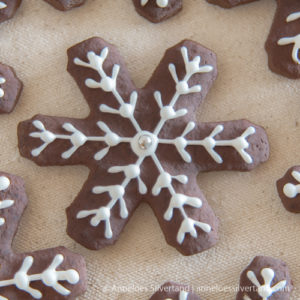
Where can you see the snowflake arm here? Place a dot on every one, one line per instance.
(49, 277)
(109, 84)
(4, 185)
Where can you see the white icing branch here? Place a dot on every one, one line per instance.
(292, 40)
(109, 84)
(50, 278)
(240, 144)
(2, 5)
(4, 185)
(178, 201)
(182, 86)
(116, 193)
(2, 79)
(292, 190)
(266, 290)
(76, 138)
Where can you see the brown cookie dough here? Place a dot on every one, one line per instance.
(283, 42)
(65, 4)
(229, 3)
(174, 291)
(143, 145)
(265, 278)
(8, 9)
(10, 89)
(157, 10)
(288, 188)
(46, 274)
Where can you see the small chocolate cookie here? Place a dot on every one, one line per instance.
(265, 278)
(8, 9)
(174, 291)
(157, 10)
(46, 274)
(283, 42)
(10, 89)
(65, 4)
(288, 188)
(143, 145)
(229, 3)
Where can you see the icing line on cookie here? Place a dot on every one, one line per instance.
(292, 40)
(4, 184)
(49, 277)
(266, 290)
(2, 80)
(291, 190)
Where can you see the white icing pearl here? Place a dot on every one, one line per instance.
(78, 139)
(126, 110)
(108, 84)
(117, 192)
(290, 190)
(162, 3)
(112, 139)
(4, 183)
(182, 87)
(132, 171)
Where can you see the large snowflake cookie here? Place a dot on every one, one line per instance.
(10, 89)
(8, 9)
(46, 274)
(143, 145)
(65, 4)
(265, 278)
(289, 189)
(174, 291)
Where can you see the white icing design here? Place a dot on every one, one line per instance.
(4, 184)
(50, 277)
(159, 3)
(292, 40)
(2, 5)
(182, 296)
(266, 290)
(2, 80)
(291, 190)
(144, 144)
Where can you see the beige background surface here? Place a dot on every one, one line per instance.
(253, 220)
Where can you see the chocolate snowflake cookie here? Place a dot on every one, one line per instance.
(143, 145)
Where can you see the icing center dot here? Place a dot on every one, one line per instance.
(145, 142)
